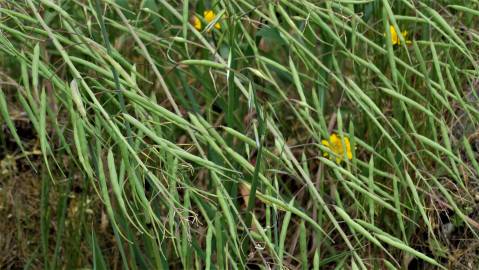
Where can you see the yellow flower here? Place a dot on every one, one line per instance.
(196, 22)
(395, 37)
(337, 147)
(209, 16)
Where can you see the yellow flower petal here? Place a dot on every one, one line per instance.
(394, 35)
(337, 147)
(325, 143)
(209, 16)
(197, 22)
(395, 39)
